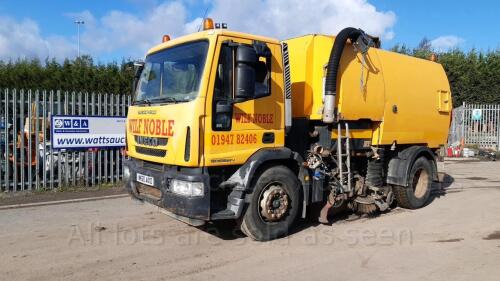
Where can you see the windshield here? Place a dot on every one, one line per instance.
(173, 75)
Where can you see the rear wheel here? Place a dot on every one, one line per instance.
(418, 191)
(273, 205)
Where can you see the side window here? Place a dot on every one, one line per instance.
(263, 76)
(224, 78)
(223, 91)
(151, 77)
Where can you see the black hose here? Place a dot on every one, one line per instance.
(336, 54)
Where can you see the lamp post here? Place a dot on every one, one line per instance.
(78, 23)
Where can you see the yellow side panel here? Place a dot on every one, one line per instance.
(360, 90)
(355, 133)
(418, 101)
(301, 73)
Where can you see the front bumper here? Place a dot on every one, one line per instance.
(191, 210)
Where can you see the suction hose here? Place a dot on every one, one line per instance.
(332, 69)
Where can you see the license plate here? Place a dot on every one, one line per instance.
(145, 179)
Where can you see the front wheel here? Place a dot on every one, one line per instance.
(274, 204)
(418, 191)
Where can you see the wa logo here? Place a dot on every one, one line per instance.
(71, 123)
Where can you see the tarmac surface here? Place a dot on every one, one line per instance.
(456, 237)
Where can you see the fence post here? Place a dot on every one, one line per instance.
(51, 149)
(44, 134)
(14, 139)
(22, 165)
(111, 152)
(93, 152)
(117, 156)
(65, 157)
(4, 182)
(105, 152)
(7, 152)
(79, 152)
(86, 160)
(59, 156)
(497, 113)
(99, 154)
(30, 142)
(37, 143)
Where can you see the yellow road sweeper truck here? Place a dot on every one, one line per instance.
(233, 126)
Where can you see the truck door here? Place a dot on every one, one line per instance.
(236, 130)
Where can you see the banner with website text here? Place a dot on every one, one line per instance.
(81, 132)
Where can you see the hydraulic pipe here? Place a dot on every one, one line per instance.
(332, 70)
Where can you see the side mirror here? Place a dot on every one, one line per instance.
(246, 58)
(129, 65)
(138, 67)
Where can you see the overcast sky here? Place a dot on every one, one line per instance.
(117, 29)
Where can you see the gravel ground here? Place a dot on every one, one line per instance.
(13, 198)
(456, 237)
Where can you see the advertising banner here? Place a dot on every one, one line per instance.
(81, 132)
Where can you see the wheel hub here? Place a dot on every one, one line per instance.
(274, 203)
(420, 183)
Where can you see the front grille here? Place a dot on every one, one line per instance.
(152, 166)
(150, 141)
(151, 151)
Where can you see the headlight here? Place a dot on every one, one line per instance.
(126, 173)
(186, 188)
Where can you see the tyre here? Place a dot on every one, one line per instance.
(418, 191)
(274, 204)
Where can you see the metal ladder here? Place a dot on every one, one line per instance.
(347, 155)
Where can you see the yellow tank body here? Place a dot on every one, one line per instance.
(407, 99)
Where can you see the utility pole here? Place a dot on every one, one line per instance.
(78, 23)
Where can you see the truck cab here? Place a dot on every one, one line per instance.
(204, 104)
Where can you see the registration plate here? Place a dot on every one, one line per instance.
(145, 179)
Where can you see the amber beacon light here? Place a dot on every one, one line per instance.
(208, 23)
(165, 38)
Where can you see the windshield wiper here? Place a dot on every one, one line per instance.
(157, 100)
(165, 99)
(144, 101)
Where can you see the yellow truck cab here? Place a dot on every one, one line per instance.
(227, 125)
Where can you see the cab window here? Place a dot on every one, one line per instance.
(223, 90)
(224, 78)
(262, 75)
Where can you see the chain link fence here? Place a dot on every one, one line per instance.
(476, 125)
(27, 159)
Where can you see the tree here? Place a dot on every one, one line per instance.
(80, 74)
